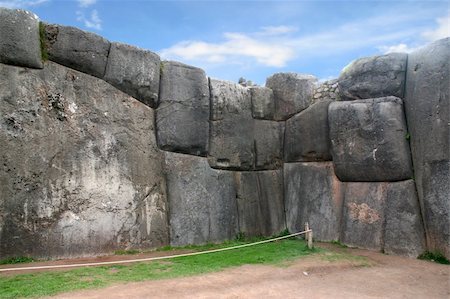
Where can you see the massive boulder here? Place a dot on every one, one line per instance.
(313, 194)
(292, 93)
(374, 77)
(135, 72)
(427, 110)
(19, 43)
(263, 103)
(369, 140)
(182, 118)
(202, 201)
(260, 202)
(268, 142)
(80, 170)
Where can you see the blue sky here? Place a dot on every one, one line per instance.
(254, 39)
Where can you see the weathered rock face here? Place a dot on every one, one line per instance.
(135, 72)
(263, 103)
(81, 173)
(313, 194)
(427, 110)
(19, 43)
(80, 50)
(292, 93)
(268, 136)
(373, 77)
(307, 137)
(327, 90)
(369, 140)
(182, 118)
(260, 202)
(202, 201)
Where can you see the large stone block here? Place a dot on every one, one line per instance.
(80, 170)
(228, 98)
(19, 38)
(263, 103)
(306, 137)
(404, 232)
(135, 72)
(313, 194)
(268, 136)
(373, 77)
(260, 202)
(369, 140)
(427, 103)
(182, 118)
(83, 51)
(202, 201)
(292, 93)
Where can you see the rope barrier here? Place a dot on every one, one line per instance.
(154, 258)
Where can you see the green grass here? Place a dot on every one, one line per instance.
(16, 260)
(434, 257)
(44, 53)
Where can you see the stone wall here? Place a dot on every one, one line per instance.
(107, 147)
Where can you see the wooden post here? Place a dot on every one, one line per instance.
(309, 236)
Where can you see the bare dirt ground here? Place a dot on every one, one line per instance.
(310, 277)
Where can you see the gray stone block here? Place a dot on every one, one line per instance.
(292, 93)
(427, 110)
(202, 201)
(313, 194)
(369, 140)
(182, 117)
(83, 51)
(268, 136)
(80, 170)
(306, 137)
(404, 232)
(263, 103)
(19, 38)
(134, 71)
(373, 77)
(228, 98)
(260, 202)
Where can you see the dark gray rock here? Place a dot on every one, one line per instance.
(313, 194)
(135, 72)
(373, 77)
(83, 51)
(80, 170)
(182, 118)
(404, 232)
(369, 140)
(268, 137)
(263, 103)
(427, 110)
(260, 202)
(292, 93)
(231, 144)
(19, 38)
(306, 137)
(363, 215)
(202, 201)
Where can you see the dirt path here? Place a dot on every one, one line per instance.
(388, 277)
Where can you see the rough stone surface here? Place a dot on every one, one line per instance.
(369, 140)
(80, 170)
(263, 103)
(135, 72)
(328, 90)
(313, 194)
(404, 232)
(373, 77)
(19, 38)
(260, 202)
(182, 118)
(363, 215)
(231, 144)
(83, 51)
(427, 110)
(268, 137)
(292, 93)
(202, 201)
(306, 137)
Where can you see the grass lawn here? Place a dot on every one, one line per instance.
(50, 283)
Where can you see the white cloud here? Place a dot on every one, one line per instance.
(277, 30)
(86, 3)
(443, 29)
(93, 21)
(21, 3)
(399, 48)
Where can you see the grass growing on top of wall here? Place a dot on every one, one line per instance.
(50, 283)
